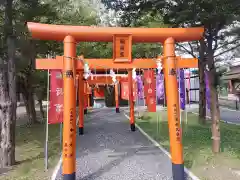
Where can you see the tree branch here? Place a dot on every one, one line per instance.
(185, 49)
(230, 58)
(227, 50)
(190, 45)
(231, 42)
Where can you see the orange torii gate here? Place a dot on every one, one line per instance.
(122, 39)
(106, 79)
(102, 65)
(98, 79)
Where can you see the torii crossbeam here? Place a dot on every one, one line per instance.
(103, 64)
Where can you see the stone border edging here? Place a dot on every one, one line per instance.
(56, 169)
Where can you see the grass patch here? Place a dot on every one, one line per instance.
(30, 142)
(197, 143)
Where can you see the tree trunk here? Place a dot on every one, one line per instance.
(5, 106)
(12, 98)
(25, 96)
(41, 108)
(30, 106)
(202, 85)
(8, 101)
(32, 110)
(215, 113)
(109, 96)
(7, 130)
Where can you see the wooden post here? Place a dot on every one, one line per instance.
(131, 103)
(85, 97)
(69, 112)
(117, 98)
(81, 104)
(173, 109)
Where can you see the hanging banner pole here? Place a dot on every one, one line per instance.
(164, 95)
(186, 84)
(60, 135)
(137, 103)
(182, 93)
(189, 92)
(179, 95)
(46, 139)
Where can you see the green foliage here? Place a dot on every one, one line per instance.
(213, 14)
(40, 84)
(187, 12)
(95, 49)
(146, 50)
(52, 12)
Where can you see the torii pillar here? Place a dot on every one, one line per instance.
(173, 109)
(117, 97)
(131, 101)
(69, 112)
(81, 104)
(85, 97)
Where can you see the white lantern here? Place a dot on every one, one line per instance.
(87, 72)
(159, 66)
(114, 80)
(113, 75)
(134, 74)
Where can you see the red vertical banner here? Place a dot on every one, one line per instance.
(99, 92)
(55, 112)
(150, 90)
(134, 90)
(145, 87)
(89, 89)
(85, 101)
(85, 95)
(125, 90)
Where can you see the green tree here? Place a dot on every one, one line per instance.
(213, 15)
(16, 45)
(28, 49)
(8, 102)
(57, 12)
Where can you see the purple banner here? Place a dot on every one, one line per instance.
(181, 89)
(160, 86)
(140, 87)
(207, 90)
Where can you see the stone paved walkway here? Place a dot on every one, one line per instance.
(110, 151)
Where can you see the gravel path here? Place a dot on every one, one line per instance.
(110, 151)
